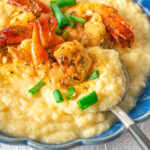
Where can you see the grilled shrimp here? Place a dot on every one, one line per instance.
(35, 6)
(18, 31)
(22, 18)
(43, 38)
(99, 17)
(67, 65)
(74, 63)
(15, 34)
(91, 34)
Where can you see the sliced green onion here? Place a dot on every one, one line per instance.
(62, 3)
(94, 75)
(71, 93)
(65, 35)
(70, 20)
(80, 20)
(58, 96)
(87, 101)
(62, 21)
(58, 31)
(36, 88)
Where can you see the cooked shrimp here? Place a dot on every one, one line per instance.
(74, 62)
(24, 18)
(116, 26)
(15, 34)
(34, 6)
(68, 65)
(43, 38)
(92, 34)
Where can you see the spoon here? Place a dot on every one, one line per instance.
(130, 125)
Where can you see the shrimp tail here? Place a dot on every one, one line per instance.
(35, 6)
(39, 53)
(120, 30)
(14, 34)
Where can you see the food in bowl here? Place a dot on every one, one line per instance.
(60, 67)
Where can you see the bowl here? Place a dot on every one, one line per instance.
(140, 113)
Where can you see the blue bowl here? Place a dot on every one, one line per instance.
(140, 113)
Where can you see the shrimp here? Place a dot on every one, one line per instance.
(67, 65)
(87, 36)
(116, 26)
(22, 18)
(74, 61)
(34, 6)
(15, 34)
(43, 38)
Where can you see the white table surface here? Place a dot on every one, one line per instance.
(124, 142)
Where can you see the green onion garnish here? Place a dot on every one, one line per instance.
(58, 96)
(36, 88)
(71, 93)
(62, 21)
(58, 31)
(62, 3)
(87, 101)
(80, 20)
(65, 35)
(70, 20)
(94, 75)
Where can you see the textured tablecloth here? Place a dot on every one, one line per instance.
(124, 142)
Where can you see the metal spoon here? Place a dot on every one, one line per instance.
(130, 125)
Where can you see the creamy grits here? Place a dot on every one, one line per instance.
(39, 117)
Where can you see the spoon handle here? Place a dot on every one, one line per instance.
(139, 136)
